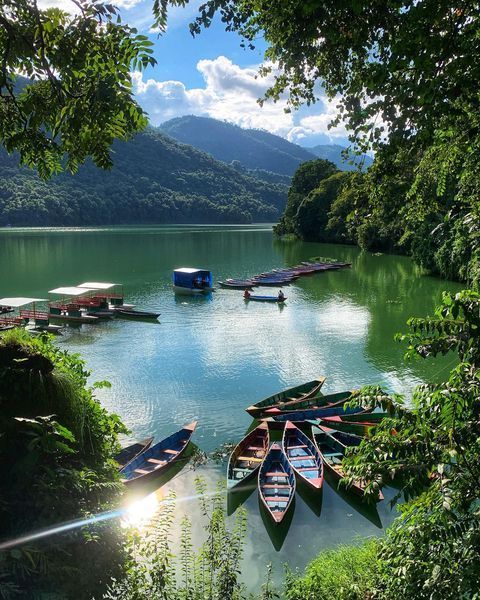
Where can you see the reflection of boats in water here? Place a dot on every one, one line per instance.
(367, 510)
(239, 494)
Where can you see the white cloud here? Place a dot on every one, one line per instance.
(231, 93)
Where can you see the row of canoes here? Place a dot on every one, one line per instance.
(277, 466)
(141, 461)
(282, 277)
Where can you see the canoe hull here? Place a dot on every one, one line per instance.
(289, 396)
(254, 446)
(158, 458)
(276, 484)
(292, 442)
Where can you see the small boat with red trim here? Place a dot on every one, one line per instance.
(248, 455)
(157, 458)
(303, 455)
(287, 397)
(276, 483)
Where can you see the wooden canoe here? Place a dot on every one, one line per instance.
(336, 399)
(255, 298)
(313, 414)
(289, 396)
(132, 451)
(276, 483)
(359, 424)
(158, 457)
(303, 455)
(332, 445)
(136, 314)
(248, 455)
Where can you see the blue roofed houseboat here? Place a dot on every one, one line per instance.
(192, 281)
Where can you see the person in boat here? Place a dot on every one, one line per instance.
(281, 296)
(246, 294)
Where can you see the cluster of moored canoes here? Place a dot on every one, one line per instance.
(317, 431)
(281, 277)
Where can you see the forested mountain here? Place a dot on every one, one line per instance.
(253, 148)
(333, 153)
(154, 180)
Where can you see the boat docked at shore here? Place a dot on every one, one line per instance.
(276, 483)
(105, 297)
(192, 282)
(357, 424)
(319, 401)
(332, 446)
(34, 320)
(247, 456)
(277, 418)
(68, 309)
(288, 397)
(132, 451)
(303, 455)
(157, 458)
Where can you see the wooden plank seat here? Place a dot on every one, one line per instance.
(156, 461)
(312, 468)
(250, 458)
(276, 474)
(168, 451)
(276, 499)
(301, 457)
(141, 471)
(276, 485)
(256, 448)
(297, 447)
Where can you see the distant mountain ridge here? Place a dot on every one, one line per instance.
(253, 148)
(333, 153)
(263, 154)
(154, 179)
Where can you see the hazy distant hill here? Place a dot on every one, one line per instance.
(333, 152)
(253, 148)
(154, 180)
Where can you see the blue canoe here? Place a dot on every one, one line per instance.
(256, 298)
(156, 459)
(315, 413)
(276, 483)
(303, 455)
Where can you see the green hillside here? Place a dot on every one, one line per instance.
(253, 148)
(154, 180)
(333, 153)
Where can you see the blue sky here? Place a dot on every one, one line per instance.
(211, 75)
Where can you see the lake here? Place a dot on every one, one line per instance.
(209, 358)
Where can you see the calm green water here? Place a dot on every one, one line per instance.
(209, 358)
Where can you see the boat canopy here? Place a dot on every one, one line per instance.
(97, 285)
(17, 302)
(71, 291)
(188, 277)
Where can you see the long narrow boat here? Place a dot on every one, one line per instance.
(248, 455)
(275, 299)
(132, 451)
(332, 446)
(276, 483)
(156, 459)
(289, 396)
(360, 424)
(303, 455)
(237, 285)
(136, 314)
(335, 399)
(277, 418)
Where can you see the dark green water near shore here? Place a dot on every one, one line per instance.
(209, 358)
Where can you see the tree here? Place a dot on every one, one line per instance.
(431, 454)
(77, 97)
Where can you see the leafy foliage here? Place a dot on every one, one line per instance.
(345, 573)
(154, 180)
(209, 574)
(79, 95)
(431, 454)
(56, 449)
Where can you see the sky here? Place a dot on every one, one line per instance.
(211, 75)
